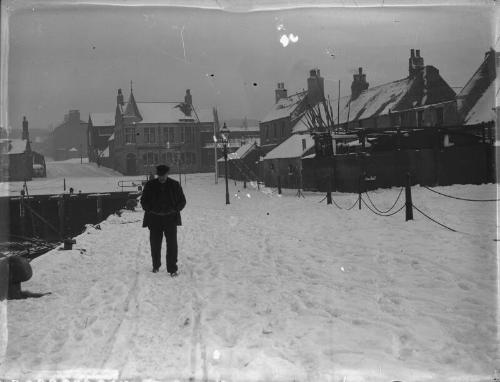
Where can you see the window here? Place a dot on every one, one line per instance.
(283, 128)
(150, 158)
(155, 158)
(145, 158)
(171, 135)
(149, 135)
(163, 157)
(267, 132)
(275, 131)
(182, 134)
(169, 157)
(439, 116)
(183, 158)
(420, 118)
(395, 119)
(129, 135)
(189, 134)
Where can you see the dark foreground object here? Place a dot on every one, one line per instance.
(15, 270)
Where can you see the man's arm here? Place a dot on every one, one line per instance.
(146, 197)
(181, 201)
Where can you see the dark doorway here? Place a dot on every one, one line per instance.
(131, 164)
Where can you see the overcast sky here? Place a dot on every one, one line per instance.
(76, 57)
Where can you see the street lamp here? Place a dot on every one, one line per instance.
(224, 136)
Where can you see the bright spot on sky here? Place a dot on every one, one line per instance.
(284, 40)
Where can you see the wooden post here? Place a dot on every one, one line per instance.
(60, 210)
(245, 182)
(279, 184)
(329, 189)
(99, 209)
(409, 204)
(22, 216)
(359, 191)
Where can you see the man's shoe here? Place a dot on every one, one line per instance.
(155, 270)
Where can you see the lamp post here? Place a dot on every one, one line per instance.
(224, 135)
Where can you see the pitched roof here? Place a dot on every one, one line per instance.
(291, 147)
(484, 109)
(168, 112)
(285, 107)
(377, 100)
(477, 85)
(243, 151)
(13, 146)
(424, 89)
(102, 119)
(131, 109)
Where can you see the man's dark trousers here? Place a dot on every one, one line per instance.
(156, 232)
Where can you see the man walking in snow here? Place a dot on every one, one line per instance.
(162, 200)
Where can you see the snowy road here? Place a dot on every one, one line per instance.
(271, 288)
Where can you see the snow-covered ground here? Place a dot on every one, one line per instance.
(86, 177)
(271, 288)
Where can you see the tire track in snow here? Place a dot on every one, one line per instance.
(130, 308)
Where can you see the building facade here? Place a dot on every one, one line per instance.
(149, 133)
(69, 136)
(100, 128)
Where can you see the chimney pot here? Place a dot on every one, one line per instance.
(412, 53)
(418, 52)
(360, 70)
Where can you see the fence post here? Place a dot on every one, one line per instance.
(359, 191)
(22, 215)
(60, 210)
(409, 204)
(329, 189)
(279, 184)
(99, 209)
(245, 182)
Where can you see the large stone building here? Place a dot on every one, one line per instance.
(69, 139)
(149, 133)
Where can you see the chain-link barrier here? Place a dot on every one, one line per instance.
(380, 211)
(458, 198)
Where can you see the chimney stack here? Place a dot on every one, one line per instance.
(315, 87)
(188, 102)
(415, 63)
(119, 98)
(280, 91)
(359, 84)
(25, 134)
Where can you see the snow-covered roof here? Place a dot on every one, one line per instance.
(484, 108)
(240, 128)
(284, 107)
(102, 119)
(476, 86)
(377, 100)
(242, 151)
(13, 146)
(104, 153)
(73, 149)
(292, 147)
(168, 112)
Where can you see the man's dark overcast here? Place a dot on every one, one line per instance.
(76, 57)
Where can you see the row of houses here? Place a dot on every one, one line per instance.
(18, 162)
(419, 112)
